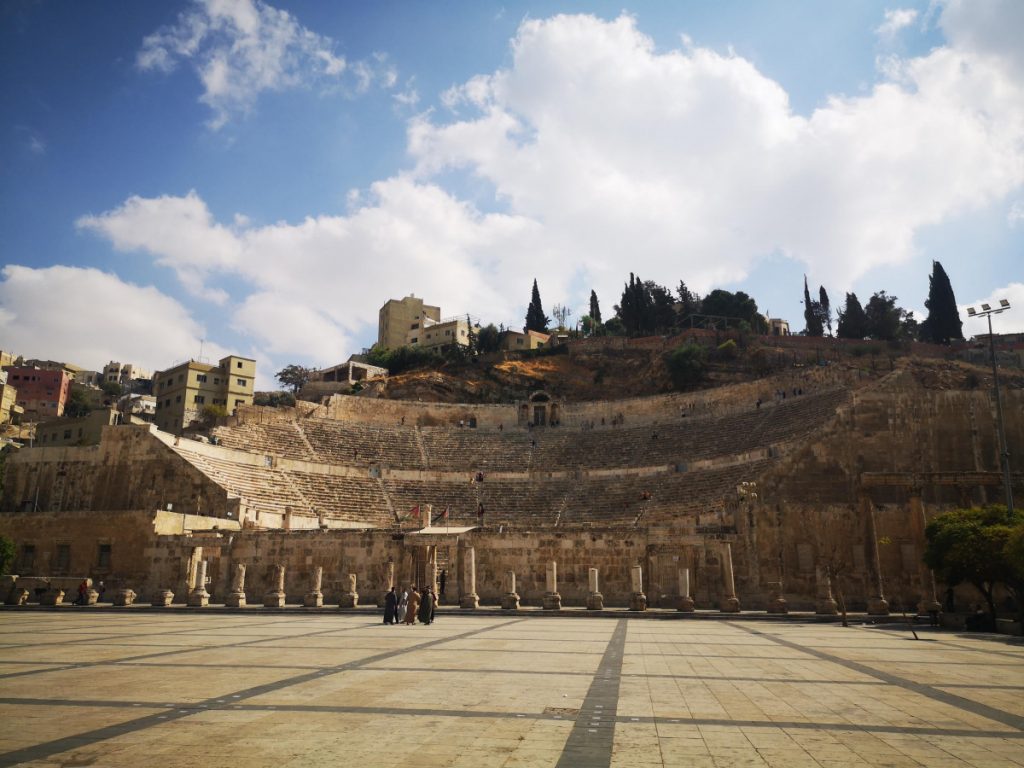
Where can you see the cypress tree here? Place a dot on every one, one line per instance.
(812, 314)
(826, 308)
(853, 321)
(536, 320)
(595, 308)
(943, 322)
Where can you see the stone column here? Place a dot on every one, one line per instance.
(199, 597)
(510, 600)
(275, 598)
(595, 600)
(685, 601)
(428, 515)
(552, 600)
(877, 604)
(315, 597)
(777, 603)
(730, 603)
(919, 521)
(826, 604)
(469, 598)
(637, 600)
(55, 596)
(349, 598)
(124, 597)
(236, 597)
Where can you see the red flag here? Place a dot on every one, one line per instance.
(415, 511)
(445, 513)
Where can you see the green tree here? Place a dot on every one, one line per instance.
(825, 306)
(689, 302)
(489, 339)
(472, 338)
(663, 308)
(884, 317)
(943, 323)
(812, 314)
(6, 555)
(737, 305)
(853, 323)
(634, 308)
(974, 546)
(77, 405)
(686, 365)
(536, 320)
(595, 309)
(613, 327)
(294, 376)
(111, 389)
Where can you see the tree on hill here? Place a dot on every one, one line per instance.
(595, 309)
(686, 365)
(853, 323)
(77, 405)
(735, 305)
(825, 306)
(943, 323)
(689, 302)
(536, 320)
(634, 308)
(489, 339)
(294, 376)
(812, 314)
(883, 316)
(663, 308)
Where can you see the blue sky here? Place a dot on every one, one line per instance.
(259, 178)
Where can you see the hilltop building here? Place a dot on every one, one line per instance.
(183, 391)
(514, 340)
(9, 408)
(41, 393)
(123, 373)
(401, 320)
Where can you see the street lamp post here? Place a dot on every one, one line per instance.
(1004, 450)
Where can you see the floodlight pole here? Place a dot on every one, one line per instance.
(1004, 449)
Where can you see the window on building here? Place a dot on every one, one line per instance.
(414, 340)
(216, 380)
(67, 434)
(414, 326)
(239, 365)
(239, 402)
(79, 431)
(448, 333)
(167, 403)
(199, 399)
(177, 399)
(44, 438)
(63, 558)
(201, 378)
(28, 556)
(240, 382)
(103, 558)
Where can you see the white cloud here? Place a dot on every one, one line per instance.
(1016, 213)
(895, 20)
(1009, 321)
(240, 48)
(100, 318)
(178, 231)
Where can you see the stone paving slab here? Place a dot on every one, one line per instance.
(181, 688)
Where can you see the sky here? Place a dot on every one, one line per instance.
(188, 180)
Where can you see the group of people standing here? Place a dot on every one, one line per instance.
(413, 604)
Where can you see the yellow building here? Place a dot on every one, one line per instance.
(8, 399)
(452, 331)
(400, 321)
(182, 392)
(513, 340)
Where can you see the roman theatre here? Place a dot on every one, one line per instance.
(795, 502)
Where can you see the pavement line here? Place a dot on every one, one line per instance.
(590, 742)
(959, 702)
(223, 701)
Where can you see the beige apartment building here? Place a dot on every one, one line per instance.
(123, 373)
(182, 392)
(401, 320)
(451, 331)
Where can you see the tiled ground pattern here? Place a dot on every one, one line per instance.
(102, 689)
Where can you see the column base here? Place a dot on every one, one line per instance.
(685, 604)
(124, 597)
(552, 601)
(53, 597)
(349, 600)
(17, 596)
(826, 607)
(162, 598)
(595, 601)
(198, 598)
(92, 597)
(778, 605)
(878, 606)
(929, 606)
(510, 601)
(235, 600)
(638, 601)
(729, 605)
(313, 600)
(470, 601)
(273, 600)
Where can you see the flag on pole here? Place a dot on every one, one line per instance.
(444, 515)
(415, 511)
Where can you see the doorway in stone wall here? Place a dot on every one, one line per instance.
(540, 413)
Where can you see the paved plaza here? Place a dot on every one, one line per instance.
(100, 688)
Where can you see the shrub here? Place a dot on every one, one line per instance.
(686, 365)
